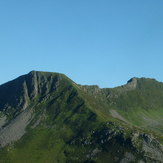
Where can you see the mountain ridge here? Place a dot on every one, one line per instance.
(51, 113)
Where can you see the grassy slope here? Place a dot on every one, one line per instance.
(69, 116)
(143, 106)
(65, 116)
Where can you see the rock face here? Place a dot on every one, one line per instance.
(132, 83)
(16, 95)
(15, 101)
(2, 121)
(46, 117)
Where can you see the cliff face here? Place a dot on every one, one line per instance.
(18, 93)
(18, 99)
(46, 117)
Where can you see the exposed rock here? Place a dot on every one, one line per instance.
(152, 148)
(15, 129)
(132, 83)
(2, 121)
(115, 114)
(128, 157)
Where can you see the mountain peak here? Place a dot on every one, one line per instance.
(43, 72)
(49, 112)
(132, 83)
(134, 79)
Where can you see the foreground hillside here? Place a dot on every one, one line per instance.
(46, 117)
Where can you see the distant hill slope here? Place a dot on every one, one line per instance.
(46, 117)
(139, 102)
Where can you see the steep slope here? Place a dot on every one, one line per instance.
(46, 117)
(139, 102)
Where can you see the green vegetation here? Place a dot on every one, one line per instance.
(74, 123)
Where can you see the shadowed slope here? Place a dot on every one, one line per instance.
(49, 118)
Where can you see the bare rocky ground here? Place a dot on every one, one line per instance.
(2, 121)
(15, 129)
(115, 114)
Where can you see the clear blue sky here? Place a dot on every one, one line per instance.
(104, 42)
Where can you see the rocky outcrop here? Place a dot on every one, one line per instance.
(110, 138)
(132, 83)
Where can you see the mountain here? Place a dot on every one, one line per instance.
(46, 117)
